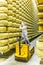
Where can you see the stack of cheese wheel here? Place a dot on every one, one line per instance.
(40, 15)
(40, 47)
(3, 26)
(40, 27)
(13, 27)
(12, 13)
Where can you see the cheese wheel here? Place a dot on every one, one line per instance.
(16, 20)
(39, 44)
(3, 16)
(11, 35)
(10, 7)
(3, 9)
(9, 24)
(40, 7)
(12, 40)
(40, 20)
(3, 23)
(40, 15)
(15, 39)
(40, 1)
(3, 35)
(13, 45)
(3, 3)
(10, 18)
(10, 12)
(14, 4)
(9, 1)
(40, 53)
(10, 29)
(3, 29)
(4, 49)
(15, 25)
(4, 42)
(14, 9)
(16, 34)
(41, 28)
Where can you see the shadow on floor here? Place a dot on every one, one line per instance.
(8, 54)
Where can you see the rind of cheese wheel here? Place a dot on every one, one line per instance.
(3, 35)
(3, 9)
(3, 29)
(10, 18)
(10, 7)
(3, 3)
(3, 16)
(11, 35)
(12, 40)
(11, 29)
(4, 22)
(13, 45)
(4, 49)
(14, 9)
(16, 34)
(9, 1)
(3, 42)
(14, 4)
(15, 25)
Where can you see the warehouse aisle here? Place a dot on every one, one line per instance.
(34, 60)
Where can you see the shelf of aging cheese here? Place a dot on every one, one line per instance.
(20, 12)
(14, 29)
(18, 16)
(22, 8)
(16, 25)
(40, 1)
(22, 19)
(23, 15)
(16, 1)
(22, 2)
(4, 41)
(33, 35)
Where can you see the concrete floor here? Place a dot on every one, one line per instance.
(35, 60)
